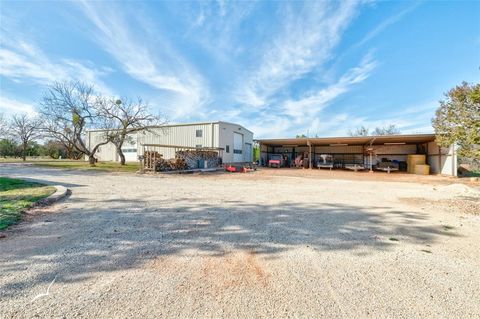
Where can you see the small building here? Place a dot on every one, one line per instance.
(366, 151)
(234, 140)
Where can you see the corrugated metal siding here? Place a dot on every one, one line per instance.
(395, 149)
(226, 131)
(180, 135)
(443, 162)
(213, 135)
(347, 149)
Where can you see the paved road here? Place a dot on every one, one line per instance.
(246, 245)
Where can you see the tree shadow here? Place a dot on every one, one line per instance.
(120, 234)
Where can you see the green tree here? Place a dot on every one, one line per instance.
(8, 147)
(457, 120)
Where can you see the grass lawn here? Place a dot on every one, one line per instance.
(17, 195)
(100, 166)
(473, 174)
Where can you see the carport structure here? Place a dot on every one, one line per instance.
(363, 150)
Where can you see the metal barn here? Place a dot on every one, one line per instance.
(234, 140)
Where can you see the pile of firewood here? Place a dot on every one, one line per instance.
(183, 160)
(174, 164)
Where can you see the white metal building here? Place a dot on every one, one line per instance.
(235, 140)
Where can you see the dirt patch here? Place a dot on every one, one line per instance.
(234, 270)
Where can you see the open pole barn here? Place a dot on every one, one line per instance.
(416, 153)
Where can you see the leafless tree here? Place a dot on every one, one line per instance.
(126, 117)
(67, 110)
(390, 129)
(24, 129)
(359, 131)
(3, 126)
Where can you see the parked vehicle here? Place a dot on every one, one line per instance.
(275, 160)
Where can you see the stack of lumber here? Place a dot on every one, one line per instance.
(150, 158)
(415, 160)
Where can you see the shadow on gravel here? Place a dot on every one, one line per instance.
(115, 235)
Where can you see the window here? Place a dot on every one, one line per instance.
(199, 133)
(237, 151)
(198, 146)
(227, 148)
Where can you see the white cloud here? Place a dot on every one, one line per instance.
(21, 60)
(305, 43)
(146, 56)
(312, 103)
(12, 106)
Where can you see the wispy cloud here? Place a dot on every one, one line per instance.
(306, 111)
(306, 42)
(146, 56)
(386, 23)
(312, 103)
(26, 62)
(13, 106)
(22, 60)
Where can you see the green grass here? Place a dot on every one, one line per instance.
(100, 166)
(472, 174)
(16, 196)
(75, 164)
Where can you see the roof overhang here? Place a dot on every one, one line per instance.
(354, 140)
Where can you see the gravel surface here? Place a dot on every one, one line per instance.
(240, 245)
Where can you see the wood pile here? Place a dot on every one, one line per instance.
(174, 164)
(183, 160)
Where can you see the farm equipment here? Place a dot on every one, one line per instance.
(240, 168)
(275, 160)
(325, 161)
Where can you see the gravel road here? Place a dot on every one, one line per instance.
(241, 246)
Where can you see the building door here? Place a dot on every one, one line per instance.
(248, 152)
(129, 148)
(237, 147)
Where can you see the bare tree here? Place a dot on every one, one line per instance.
(67, 110)
(25, 129)
(3, 126)
(359, 131)
(126, 117)
(386, 130)
(390, 129)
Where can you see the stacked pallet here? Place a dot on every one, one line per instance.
(200, 158)
(150, 159)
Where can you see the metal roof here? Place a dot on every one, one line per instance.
(352, 140)
(181, 124)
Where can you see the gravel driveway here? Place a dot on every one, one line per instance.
(240, 245)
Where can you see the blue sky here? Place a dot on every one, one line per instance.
(278, 68)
